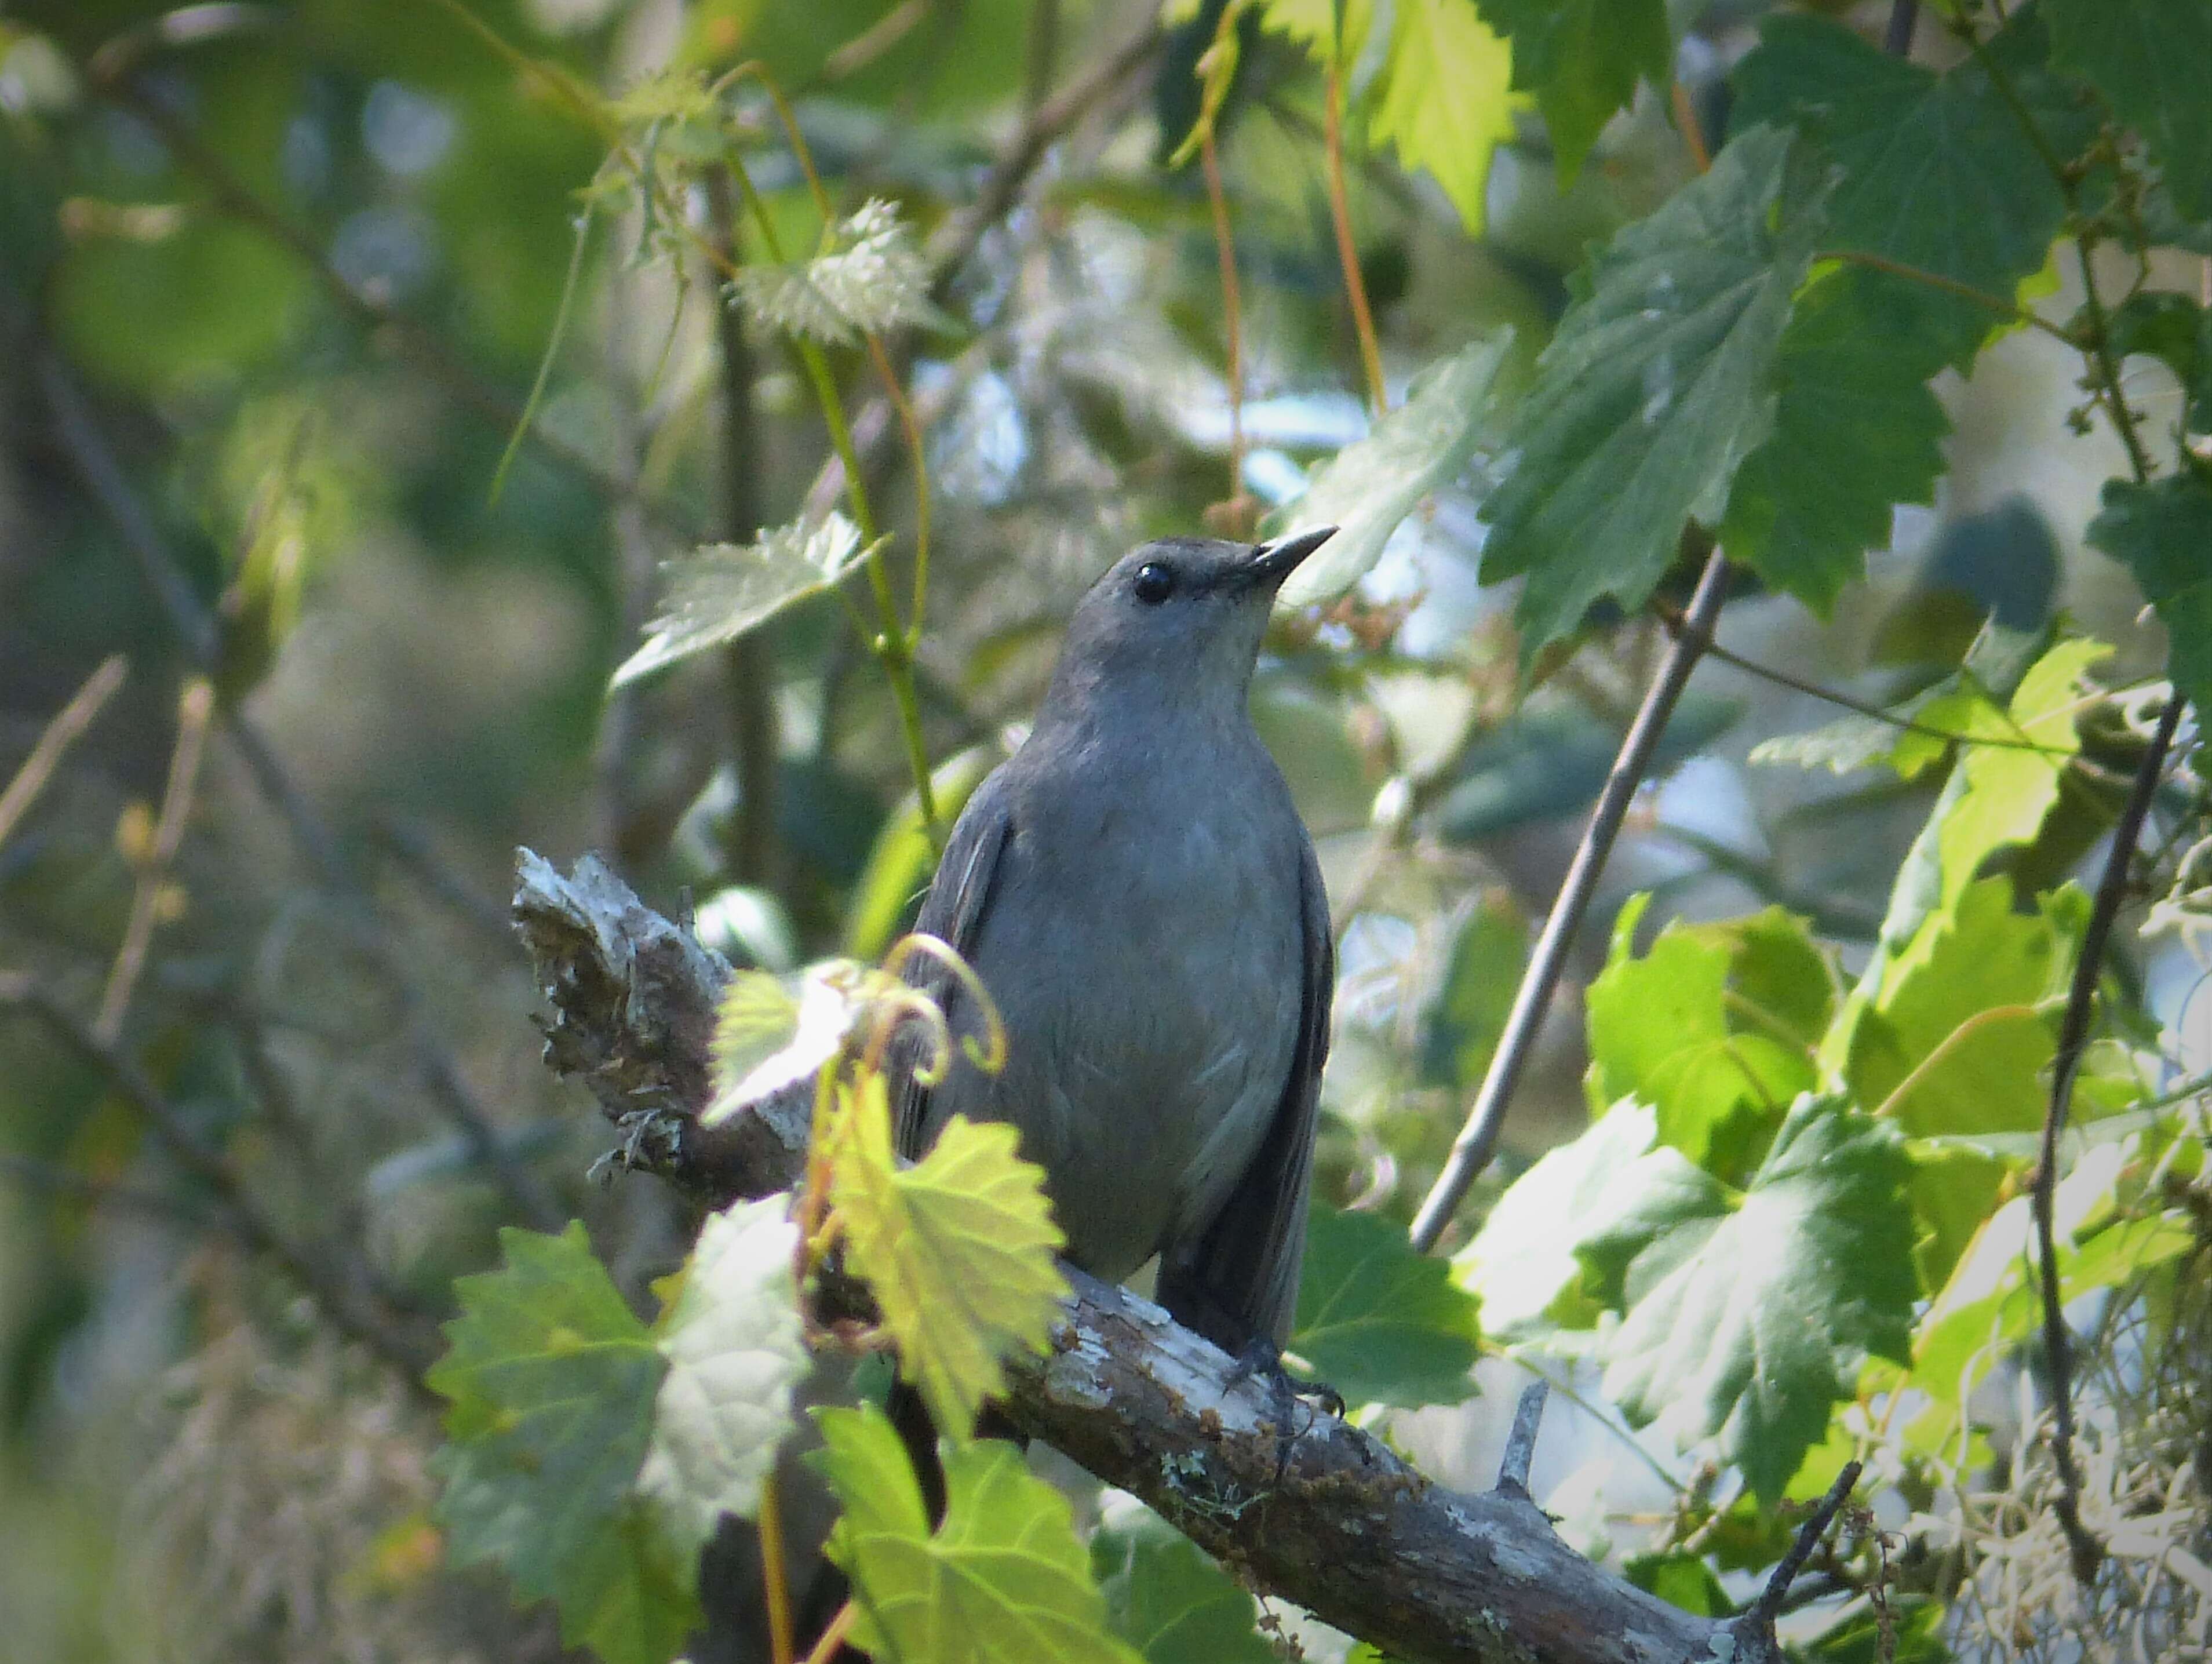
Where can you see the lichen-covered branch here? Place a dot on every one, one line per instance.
(1345, 1527)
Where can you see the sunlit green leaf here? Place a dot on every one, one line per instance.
(552, 1382)
(1378, 1321)
(1374, 483)
(1001, 1581)
(731, 1339)
(1714, 1027)
(1659, 382)
(1166, 1598)
(1583, 60)
(720, 591)
(1960, 1040)
(958, 1248)
(1552, 1249)
(1748, 1324)
(1445, 102)
(900, 862)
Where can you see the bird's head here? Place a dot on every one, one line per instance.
(1182, 617)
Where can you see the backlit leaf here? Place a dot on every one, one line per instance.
(1659, 382)
(1714, 1027)
(871, 280)
(1444, 103)
(1001, 1581)
(731, 1339)
(720, 591)
(958, 1248)
(1378, 1321)
(1374, 483)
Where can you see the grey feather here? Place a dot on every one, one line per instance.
(1135, 890)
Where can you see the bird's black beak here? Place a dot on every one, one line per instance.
(1271, 563)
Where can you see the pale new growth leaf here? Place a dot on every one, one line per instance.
(768, 1037)
(1374, 483)
(720, 591)
(959, 1248)
(1001, 1581)
(872, 279)
(734, 1352)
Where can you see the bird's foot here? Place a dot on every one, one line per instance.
(1261, 1357)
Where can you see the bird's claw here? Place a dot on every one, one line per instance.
(1261, 1357)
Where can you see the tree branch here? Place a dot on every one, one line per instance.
(1477, 1138)
(1351, 1531)
(2084, 1549)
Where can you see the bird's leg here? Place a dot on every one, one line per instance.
(1261, 1357)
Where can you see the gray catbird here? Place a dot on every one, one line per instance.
(1136, 892)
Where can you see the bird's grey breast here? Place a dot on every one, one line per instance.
(1142, 939)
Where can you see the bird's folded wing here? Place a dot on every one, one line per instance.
(953, 913)
(1240, 1281)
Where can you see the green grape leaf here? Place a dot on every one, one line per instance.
(552, 1382)
(1378, 1321)
(958, 1248)
(2148, 59)
(2010, 789)
(1444, 101)
(1955, 1043)
(871, 280)
(2162, 533)
(1857, 432)
(1714, 1027)
(1582, 59)
(1938, 172)
(1748, 1324)
(1374, 483)
(1553, 1250)
(1166, 1598)
(720, 591)
(1002, 1580)
(1658, 383)
(731, 1339)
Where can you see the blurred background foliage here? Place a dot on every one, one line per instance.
(277, 284)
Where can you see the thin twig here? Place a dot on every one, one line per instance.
(1671, 616)
(66, 728)
(2011, 311)
(750, 856)
(775, 1577)
(834, 1636)
(1520, 1442)
(2086, 1553)
(1477, 1138)
(1763, 1611)
(194, 707)
(1347, 252)
(1232, 326)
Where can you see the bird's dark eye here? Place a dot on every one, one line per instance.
(1155, 583)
